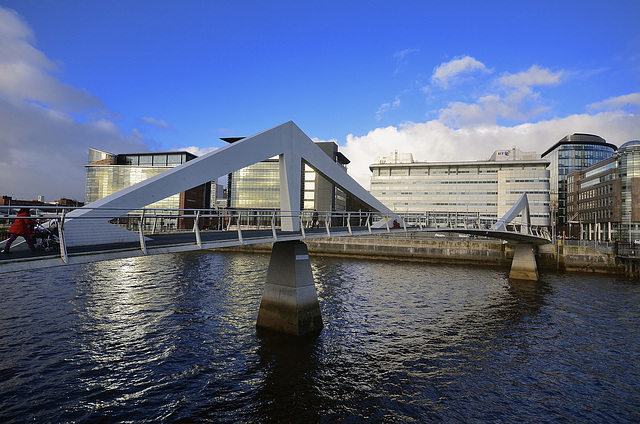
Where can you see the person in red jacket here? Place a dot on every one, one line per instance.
(20, 227)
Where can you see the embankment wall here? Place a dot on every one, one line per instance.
(475, 252)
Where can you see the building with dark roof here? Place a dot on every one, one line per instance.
(572, 153)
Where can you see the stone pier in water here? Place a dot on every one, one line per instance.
(289, 300)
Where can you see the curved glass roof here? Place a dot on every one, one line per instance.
(630, 144)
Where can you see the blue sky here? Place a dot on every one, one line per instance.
(442, 80)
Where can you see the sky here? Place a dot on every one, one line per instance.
(445, 81)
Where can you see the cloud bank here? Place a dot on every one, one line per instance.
(473, 130)
(47, 125)
(433, 141)
(451, 73)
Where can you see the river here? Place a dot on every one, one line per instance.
(172, 338)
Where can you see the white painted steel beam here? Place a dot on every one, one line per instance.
(286, 141)
(521, 206)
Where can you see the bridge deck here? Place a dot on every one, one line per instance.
(22, 259)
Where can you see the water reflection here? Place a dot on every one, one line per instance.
(289, 390)
(172, 339)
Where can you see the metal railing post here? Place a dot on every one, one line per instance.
(63, 245)
(326, 224)
(143, 244)
(273, 226)
(196, 229)
(240, 229)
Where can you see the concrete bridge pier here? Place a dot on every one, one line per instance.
(524, 266)
(289, 300)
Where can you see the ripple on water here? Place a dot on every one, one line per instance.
(172, 338)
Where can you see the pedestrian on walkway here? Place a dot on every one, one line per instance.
(20, 227)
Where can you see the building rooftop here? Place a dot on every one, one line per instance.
(499, 157)
(629, 144)
(580, 138)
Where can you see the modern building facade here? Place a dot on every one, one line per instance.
(258, 186)
(486, 189)
(108, 173)
(572, 153)
(603, 200)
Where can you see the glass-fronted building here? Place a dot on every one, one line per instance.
(604, 199)
(258, 186)
(107, 173)
(486, 189)
(572, 153)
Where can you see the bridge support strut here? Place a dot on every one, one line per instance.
(289, 300)
(524, 266)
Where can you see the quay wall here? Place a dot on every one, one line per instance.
(475, 252)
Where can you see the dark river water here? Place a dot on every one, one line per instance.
(172, 338)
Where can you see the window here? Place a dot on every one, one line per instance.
(146, 160)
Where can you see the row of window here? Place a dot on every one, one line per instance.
(439, 182)
(602, 214)
(441, 193)
(170, 159)
(599, 191)
(530, 180)
(385, 172)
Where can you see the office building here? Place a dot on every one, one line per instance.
(572, 153)
(258, 186)
(108, 173)
(603, 200)
(484, 189)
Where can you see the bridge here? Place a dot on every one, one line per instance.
(120, 225)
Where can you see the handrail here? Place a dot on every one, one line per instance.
(156, 221)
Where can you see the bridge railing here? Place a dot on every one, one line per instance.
(156, 221)
(470, 221)
(200, 222)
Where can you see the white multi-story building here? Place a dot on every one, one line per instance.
(485, 189)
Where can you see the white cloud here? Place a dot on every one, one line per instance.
(534, 76)
(400, 57)
(156, 122)
(515, 100)
(619, 102)
(434, 141)
(198, 151)
(47, 125)
(386, 107)
(449, 73)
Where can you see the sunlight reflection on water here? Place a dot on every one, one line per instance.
(173, 338)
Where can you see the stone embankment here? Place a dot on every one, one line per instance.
(478, 252)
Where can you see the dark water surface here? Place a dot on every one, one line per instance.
(172, 339)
